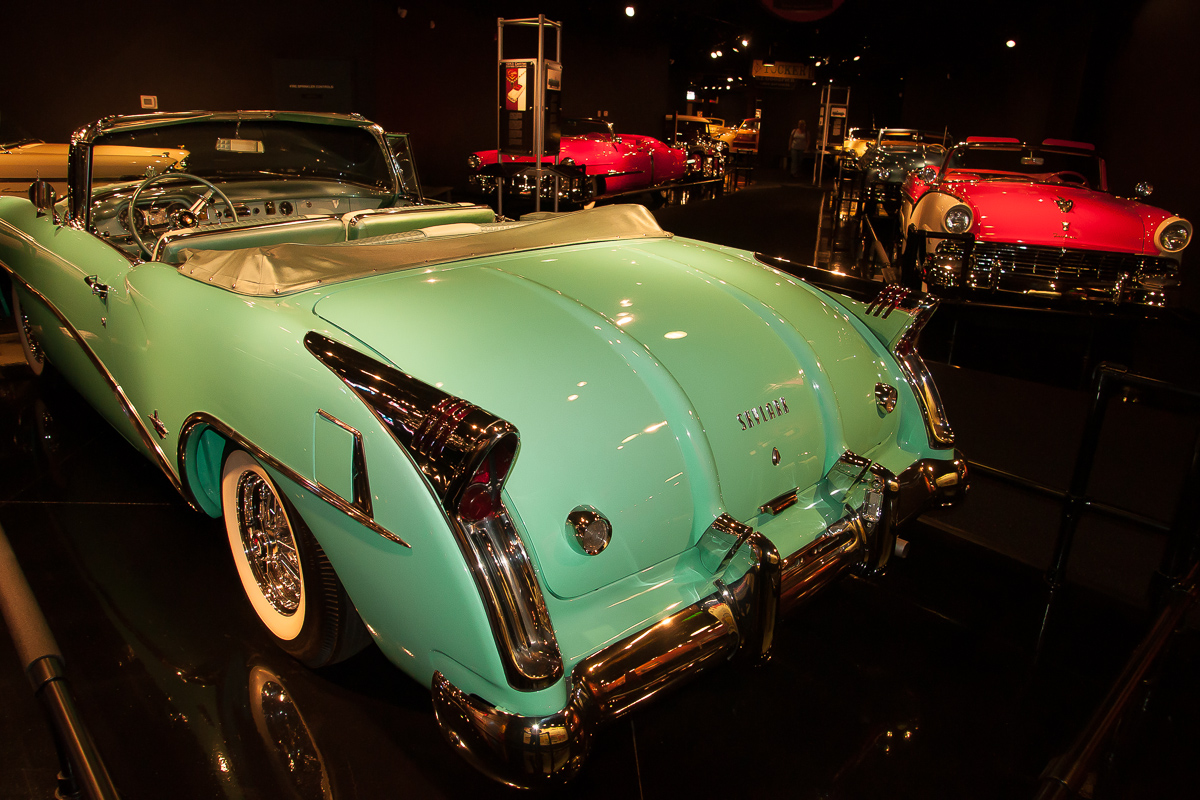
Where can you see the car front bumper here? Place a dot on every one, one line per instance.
(1050, 274)
(737, 620)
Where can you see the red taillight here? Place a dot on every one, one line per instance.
(481, 497)
(477, 503)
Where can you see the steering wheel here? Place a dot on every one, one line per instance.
(1070, 176)
(201, 202)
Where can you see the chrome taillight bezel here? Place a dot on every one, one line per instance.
(450, 440)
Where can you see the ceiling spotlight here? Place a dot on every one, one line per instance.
(629, 11)
(817, 64)
(713, 54)
(1010, 43)
(719, 53)
(856, 58)
(745, 42)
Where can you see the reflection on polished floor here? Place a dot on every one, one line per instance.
(923, 683)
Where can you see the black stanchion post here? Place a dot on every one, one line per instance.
(1076, 499)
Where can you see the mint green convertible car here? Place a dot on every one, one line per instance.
(550, 468)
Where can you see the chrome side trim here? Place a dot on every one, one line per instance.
(350, 219)
(941, 435)
(737, 619)
(255, 224)
(201, 420)
(131, 413)
(358, 477)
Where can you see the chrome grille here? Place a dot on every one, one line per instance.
(1055, 262)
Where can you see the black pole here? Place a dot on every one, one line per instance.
(1183, 541)
(1076, 499)
(1066, 775)
(82, 770)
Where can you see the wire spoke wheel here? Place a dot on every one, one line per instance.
(268, 543)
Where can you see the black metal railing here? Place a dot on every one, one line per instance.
(1174, 585)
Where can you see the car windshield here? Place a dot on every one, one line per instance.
(224, 149)
(585, 127)
(1032, 162)
(898, 139)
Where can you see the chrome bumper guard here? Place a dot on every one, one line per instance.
(738, 619)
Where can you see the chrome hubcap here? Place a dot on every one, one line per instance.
(268, 543)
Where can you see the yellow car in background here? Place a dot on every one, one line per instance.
(24, 161)
(743, 138)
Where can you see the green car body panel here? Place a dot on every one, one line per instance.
(667, 383)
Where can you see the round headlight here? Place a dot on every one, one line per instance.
(1175, 236)
(957, 219)
(474, 161)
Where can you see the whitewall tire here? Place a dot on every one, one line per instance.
(284, 572)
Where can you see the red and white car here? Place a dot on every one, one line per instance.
(1002, 217)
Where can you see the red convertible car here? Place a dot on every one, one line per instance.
(594, 161)
(1005, 218)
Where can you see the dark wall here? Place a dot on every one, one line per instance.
(431, 72)
(1146, 113)
(1121, 75)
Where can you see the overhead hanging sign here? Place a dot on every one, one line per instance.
(786, 70)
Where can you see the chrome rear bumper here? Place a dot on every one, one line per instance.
(736, 620)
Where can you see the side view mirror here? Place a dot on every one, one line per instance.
(41, 194)
(1143, 189)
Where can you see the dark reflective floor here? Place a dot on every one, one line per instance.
(919, 684)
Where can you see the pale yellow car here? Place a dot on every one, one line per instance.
(858, 140)
(743, 138)
(25, 161)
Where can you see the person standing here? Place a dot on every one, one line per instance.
(797, 147)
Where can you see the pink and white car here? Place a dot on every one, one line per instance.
(593, 161)
(1003, 218)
